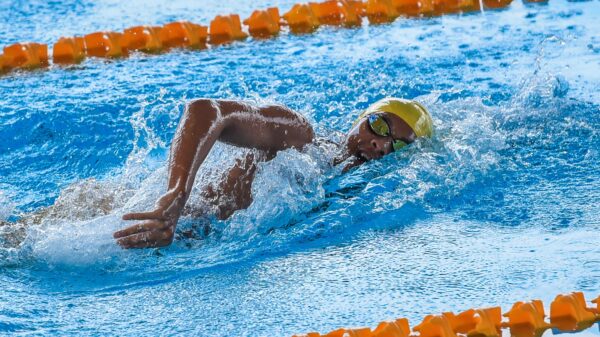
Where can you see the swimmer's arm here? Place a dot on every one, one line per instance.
(268, 128)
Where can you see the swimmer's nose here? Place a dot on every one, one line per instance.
(378, 147)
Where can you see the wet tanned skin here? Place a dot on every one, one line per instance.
(265, 129)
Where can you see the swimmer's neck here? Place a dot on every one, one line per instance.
(342, 155)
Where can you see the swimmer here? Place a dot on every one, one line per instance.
(386, 126)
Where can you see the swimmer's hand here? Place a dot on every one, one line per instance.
(158, 227)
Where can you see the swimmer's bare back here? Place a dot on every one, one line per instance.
(204, 122)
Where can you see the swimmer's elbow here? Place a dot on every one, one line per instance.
(310, 133)
(201, 114)
(202, 106)
(306, 134)
(302, 132)
(304, 137)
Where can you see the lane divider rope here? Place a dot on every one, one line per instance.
(300, 19)
(568, 313)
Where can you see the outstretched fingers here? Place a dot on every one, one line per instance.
(158, 238)
(154, 215)
(140, 228)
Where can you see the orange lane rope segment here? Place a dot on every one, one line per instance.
(568, 313)
(223, 29)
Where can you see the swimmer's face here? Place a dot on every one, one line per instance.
(363, 144)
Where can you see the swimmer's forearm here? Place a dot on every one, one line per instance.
(196, 134)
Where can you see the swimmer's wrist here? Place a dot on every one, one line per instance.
(179, 190)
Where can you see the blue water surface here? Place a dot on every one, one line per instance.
(503, 204)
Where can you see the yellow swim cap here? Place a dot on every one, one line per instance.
(413, 113)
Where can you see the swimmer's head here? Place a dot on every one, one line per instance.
(386, 126)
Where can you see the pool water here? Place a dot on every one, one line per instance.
(501, 205)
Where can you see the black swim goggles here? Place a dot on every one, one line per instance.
(380, 127)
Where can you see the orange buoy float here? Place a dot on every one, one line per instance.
(25, 55)
(476, 322)
(262, 24)
(413, 7)
(3, 66)
(435, 326)
(571, 307)
(397, 328)
(527, 314)
(104, 44)
(301, 19)
(489, 322)
(41, 50)
(494, 4)
(597, 302)
(455, 6)
(463, 322)
(182, 34)
(337, 13)
(226, 29)
(356, 6)
(68, 50)
(356, 332)
(381, 11)
(143, 38)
